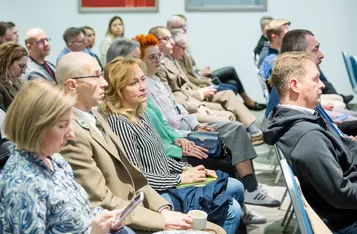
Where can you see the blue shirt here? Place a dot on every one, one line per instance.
(35, 199)
(268, 64)
(86, 50)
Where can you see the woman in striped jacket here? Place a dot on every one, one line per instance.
(124, 107)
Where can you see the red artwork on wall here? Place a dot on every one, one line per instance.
(118, 5)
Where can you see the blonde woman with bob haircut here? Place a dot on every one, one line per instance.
(37, 188)
(124, 107)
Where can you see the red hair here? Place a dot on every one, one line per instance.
(145, 42)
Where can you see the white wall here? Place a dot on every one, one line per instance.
(216, 38)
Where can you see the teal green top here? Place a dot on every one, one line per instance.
(167, 133)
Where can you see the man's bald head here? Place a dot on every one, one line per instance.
(175, 22)
(75, 64)
(37, 43)
(33, 33)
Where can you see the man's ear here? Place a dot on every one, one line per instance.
(294, 85)
(71, 85)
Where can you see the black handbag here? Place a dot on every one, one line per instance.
(210, 141)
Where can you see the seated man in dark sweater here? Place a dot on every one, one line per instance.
(324, 163)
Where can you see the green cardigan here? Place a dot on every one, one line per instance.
(167, 133)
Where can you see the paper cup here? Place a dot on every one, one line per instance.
(199, 219)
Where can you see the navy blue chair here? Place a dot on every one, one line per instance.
(353, 71)
(295, 196)
(352, 77)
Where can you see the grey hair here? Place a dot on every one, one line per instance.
(178, 35)
(172, 20)
(263, 19)
(121, 47)
(71, 33)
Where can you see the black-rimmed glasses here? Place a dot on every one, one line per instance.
(92, 76)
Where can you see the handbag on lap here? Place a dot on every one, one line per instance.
(210, 141)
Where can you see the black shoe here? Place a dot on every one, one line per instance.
(256, 106)
(346, 98)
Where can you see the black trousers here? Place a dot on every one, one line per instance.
(230, 76)
(329, 89)
(349, 127)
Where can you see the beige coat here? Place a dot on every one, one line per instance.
(175, 79)
(101, 167)
(186, 65)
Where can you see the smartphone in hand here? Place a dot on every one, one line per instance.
(134, 203)
(341, 118)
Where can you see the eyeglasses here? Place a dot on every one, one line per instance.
(84, 41)
(156, 57)
(181, 47)
(22, 66)
(97, 76)
(43, 40)
(166, 38)
(184, 26)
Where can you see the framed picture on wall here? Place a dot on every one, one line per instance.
(226, 5)
(118, 5)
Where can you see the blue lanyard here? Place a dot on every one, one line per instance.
(329, 121)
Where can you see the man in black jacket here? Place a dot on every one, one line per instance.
(325, 164)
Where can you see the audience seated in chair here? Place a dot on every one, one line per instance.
(226, 75)
(38, 45)
(175, 147)
(303, 40)
(275, 32)
(206, 102)
(115, 30)
(15, 33)
(323, 162)
(13, 63)
(264, 21)
(97, 156)
(186, 65)
(75, 41)
(38, 191)
(90, 35)
(124, 107)
(5, 32)
(242, 151)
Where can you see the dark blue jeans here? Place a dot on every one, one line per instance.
(124, 230)
(223, 87)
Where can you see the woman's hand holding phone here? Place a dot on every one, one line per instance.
(117, 222)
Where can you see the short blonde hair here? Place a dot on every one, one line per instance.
(119, 73)
(274, 27)
(35, 110)
(288, 65)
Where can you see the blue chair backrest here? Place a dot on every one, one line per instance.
(353, 70)
(264, 87)
(351, 77)
(295, 196)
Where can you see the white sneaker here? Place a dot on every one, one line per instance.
(260, 197)
(251, 217)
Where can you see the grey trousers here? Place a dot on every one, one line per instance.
(235, 137)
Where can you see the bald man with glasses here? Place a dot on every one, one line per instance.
(38, 45)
